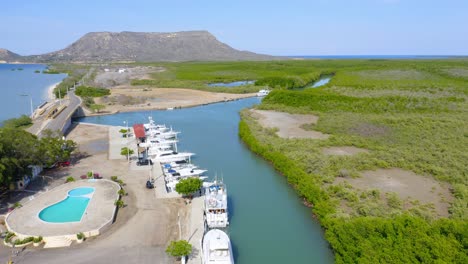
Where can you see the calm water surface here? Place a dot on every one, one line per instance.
(320, 82)
(16, 82)
(269, 224)
(231, 84)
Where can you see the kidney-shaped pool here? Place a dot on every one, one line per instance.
(71, 209)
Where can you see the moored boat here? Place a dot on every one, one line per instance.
(263, 92)
(216, 247)
(216, 205)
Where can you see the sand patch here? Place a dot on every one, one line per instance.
(113, 78)
(146, 98)
(407, 185)
(289, 125)
(343, 151)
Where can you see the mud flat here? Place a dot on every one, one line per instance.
(288, 125)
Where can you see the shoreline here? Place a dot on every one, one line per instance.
(147, 108)
(50, 91)
(161, 99)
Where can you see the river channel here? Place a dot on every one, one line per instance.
(269, 224)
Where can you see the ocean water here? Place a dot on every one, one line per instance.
(375, 57)
(15, 82)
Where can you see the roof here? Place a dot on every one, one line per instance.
(139, 131)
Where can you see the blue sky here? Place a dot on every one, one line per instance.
(293, 27)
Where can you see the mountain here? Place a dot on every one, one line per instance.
(6, 55)
(141, 46)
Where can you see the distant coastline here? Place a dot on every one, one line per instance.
(367, 57)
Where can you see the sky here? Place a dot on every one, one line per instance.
(292, 27)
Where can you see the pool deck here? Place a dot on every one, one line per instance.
(99, 214)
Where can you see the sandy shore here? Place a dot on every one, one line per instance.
(50, 91)
(140, 99)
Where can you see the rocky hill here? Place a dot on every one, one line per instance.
(140, 46)
(6, 55)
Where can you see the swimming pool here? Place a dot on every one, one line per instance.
(71, 209)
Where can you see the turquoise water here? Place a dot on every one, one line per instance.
(71, 209)
(14, 82)
(231, 84)
(268, 222)
(81, 191)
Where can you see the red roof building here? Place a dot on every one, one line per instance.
(139, 131)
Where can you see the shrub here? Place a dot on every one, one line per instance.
(8, 236)
(126, 151)
(122, 192)
(69, 179)
(23, 241)
(80, 236)
(119, 203)
(87, 91)
(89, 174)
(179, 248)
(37, 239)
(114, 178)
(17, 205)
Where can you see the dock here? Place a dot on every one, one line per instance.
(193, 229)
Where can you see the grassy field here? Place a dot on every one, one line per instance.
(197, 75)
(410, 115)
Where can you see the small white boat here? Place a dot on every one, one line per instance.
(263, 92)
(216, 205)
(216, 247)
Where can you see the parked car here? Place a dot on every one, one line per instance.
(143, 162)
(64, 163)
(149, 185)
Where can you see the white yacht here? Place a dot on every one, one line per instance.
(216, 205)
(159, 144)
(216, 247)
(178, 165)
(156, 134)
(151, 125)
(184, 172)
(168, 155)
(263, 92)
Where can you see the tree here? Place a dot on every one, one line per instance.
(54, 147)
(126, 151)
(97, 107)
(179, 248)
(18, 150)
(188, 186)
(124, 132)
(20, 122)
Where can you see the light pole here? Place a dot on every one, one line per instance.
(30, 97)
(126, 136)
